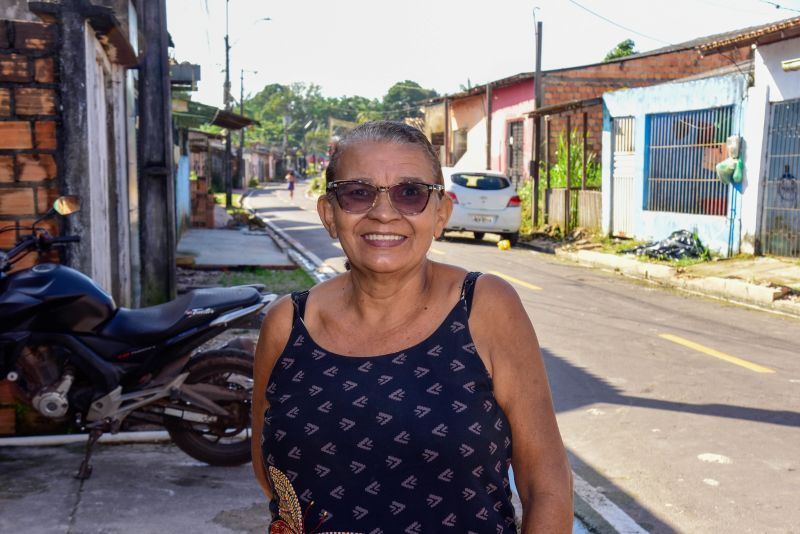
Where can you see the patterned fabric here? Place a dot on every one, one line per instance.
(408, 442)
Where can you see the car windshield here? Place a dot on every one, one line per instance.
(481, 181)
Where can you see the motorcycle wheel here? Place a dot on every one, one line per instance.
(224, 443)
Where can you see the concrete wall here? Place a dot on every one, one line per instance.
(470, 114)
(713, 230)
(781, 85)
(183, 196)
(771, 84)
(511, 103)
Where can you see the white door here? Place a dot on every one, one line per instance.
(97, 70)
(622, 173)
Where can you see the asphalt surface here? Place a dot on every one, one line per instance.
(680, 413)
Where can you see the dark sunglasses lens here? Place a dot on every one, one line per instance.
(355, 197)
(409, 198)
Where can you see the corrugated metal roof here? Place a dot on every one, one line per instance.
(197, 114)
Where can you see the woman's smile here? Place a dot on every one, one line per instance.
(384, 240)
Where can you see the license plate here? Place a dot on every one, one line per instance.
(484, 219)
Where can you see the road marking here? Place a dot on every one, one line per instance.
(717, 354)
(515, 281)
(436, 251)
(613, 514)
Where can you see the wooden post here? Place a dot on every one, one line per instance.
(547, 170)
(446, 132)
(585, 135)
(569, 175)
(489, 126)
(156, 182)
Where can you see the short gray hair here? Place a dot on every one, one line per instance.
(386, 132)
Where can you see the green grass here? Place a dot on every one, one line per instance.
(236, 202)
(276, 281)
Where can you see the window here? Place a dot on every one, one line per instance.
(459, 143)
(683, 152)
(481, 181)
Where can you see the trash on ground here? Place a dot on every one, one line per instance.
(680, 244)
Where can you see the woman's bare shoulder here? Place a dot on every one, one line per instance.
(275, 328)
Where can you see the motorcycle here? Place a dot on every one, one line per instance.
(74, 355)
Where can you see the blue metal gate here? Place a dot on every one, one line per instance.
(780, 234)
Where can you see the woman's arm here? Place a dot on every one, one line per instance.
(271, 341)
(503, 332)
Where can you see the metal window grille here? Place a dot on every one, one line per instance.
(683, 152)
(781, 198)
(515, 133)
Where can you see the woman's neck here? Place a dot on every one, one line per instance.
(388, 298)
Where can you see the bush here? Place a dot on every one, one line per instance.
(253, 182)
(317, 185)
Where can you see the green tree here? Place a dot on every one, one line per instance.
(624, 49)
(403, 100)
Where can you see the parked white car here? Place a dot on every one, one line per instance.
(483, 201)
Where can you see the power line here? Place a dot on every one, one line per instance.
(778, 6)
(618, 25)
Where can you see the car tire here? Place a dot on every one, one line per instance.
(478, 235)
(511, 237)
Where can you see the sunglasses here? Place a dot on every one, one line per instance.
(408, 198)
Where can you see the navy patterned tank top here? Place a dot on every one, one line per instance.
(408, 442)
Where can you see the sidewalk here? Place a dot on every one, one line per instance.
(769, 284)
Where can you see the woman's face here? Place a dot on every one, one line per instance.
(382, 239)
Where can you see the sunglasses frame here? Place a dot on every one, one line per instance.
(332, 187)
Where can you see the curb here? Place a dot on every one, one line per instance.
(157, 436)
(733, 290)
(307, 260)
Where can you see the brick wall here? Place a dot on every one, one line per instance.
(29, 180)
(594, 80)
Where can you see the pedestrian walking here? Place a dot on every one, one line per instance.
(394, 397)
(291, 179)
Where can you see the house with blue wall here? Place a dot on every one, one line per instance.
(662, 144)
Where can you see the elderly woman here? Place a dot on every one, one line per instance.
(394, 397)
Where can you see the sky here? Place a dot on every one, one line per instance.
(363, 47)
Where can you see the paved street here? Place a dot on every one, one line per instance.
(681, 411)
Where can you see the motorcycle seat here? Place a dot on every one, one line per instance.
(152, 324)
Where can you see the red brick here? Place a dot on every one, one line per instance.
(30, 101)
(17, 201)
(4, 42)
(13, 68)
(34, 35)
(26, 263)
(8, 393)
(36, 167)
(8, 421)
(5, 102)
(45, 135)
(46, 196)
(15, 134)
(7, 239)
(44, 71)
(6, 170)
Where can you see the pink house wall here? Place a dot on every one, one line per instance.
(509, 104)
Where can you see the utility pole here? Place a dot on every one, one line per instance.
(537, 126)
(240, 167)
(226, 160)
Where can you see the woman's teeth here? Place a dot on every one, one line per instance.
(383, 237)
